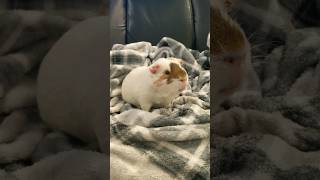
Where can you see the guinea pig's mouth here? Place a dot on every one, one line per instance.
(182, 89)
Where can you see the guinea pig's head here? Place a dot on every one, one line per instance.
(168, 74)
(230, 49)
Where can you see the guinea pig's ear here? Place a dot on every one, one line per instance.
(229, 4)
(178, 61)
(225, 5)
(154, 68)
(175, 69)
(181, 61)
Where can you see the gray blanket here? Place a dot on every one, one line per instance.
(177, 140)
(28, 149)
(287, 62)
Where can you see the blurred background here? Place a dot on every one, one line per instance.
(285, 41)
(28, 31)
(71, 8)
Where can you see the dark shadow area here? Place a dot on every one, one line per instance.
(53, 90)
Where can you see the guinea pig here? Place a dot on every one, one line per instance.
(155, 85)
(230, 50)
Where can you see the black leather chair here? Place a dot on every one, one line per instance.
(187, 21)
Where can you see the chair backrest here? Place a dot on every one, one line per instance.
(187, 21)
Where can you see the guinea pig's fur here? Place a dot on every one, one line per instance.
(156, 85)
(232, 66)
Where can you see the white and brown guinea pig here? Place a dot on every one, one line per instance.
(232, 66)
(155, 85)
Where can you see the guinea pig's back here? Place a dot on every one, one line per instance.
(135, 84)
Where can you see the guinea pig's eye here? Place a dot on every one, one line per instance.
(167, 72)
(229, 60)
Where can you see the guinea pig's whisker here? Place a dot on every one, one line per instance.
(252, 35)
(258, 57)
(256, 46)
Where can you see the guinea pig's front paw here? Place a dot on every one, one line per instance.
(163, 111)
(170, 110)
(145, 106)
(169, 106)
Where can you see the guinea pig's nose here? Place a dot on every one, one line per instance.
(183, 84)
(183, 81)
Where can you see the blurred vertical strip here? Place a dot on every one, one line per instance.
(107, 5)
(4, 4)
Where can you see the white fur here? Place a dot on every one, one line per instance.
(138, 87)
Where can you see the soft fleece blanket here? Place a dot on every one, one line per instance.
(28, 149)
(285, 38)
(177, 140)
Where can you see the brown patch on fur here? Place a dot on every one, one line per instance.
(176, 72)
(226, 35)
(161, 78)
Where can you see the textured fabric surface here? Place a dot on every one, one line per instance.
(285, 41)
(29, 150)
